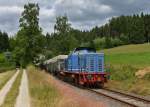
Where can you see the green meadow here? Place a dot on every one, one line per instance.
(123, 62)
(134, 55)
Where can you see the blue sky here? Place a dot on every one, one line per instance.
(82, 14)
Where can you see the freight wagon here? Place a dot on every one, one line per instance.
(83, 67)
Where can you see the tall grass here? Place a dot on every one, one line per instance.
(43, 93)
(122, 73)
(123, 78)
(13, 93)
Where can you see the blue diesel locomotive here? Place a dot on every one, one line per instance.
(83, 66)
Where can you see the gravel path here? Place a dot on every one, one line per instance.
(74, 96)
(23, 99)
(6, 88)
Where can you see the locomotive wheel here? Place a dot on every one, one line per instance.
(100, 85)
(76, 81)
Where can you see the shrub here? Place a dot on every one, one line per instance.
(87, 44)
(99, 43)
(108, 42)
(122, 73)
(147, 77)
(116, 42)
(124, 39)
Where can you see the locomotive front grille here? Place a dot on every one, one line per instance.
(94, 63)
(91, 63)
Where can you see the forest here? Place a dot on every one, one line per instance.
(30, 43)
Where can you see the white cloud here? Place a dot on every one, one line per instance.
(10, 9)
(47, 12)
(83, 14)
(104, 8)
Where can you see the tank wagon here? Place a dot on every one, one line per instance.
(83, 66)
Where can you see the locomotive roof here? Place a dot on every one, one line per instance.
(85, 48)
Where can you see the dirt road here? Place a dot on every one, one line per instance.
(6, 88)
(23, 99)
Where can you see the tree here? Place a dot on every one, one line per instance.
(6, 45)
(30, 40)
(137, 30)
(62, 29)
(62, 26)
(4, 41)
(146, 19)
(108, 42)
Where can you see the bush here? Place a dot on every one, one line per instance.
(99, 43)
(87, 44)
(6, 66)
(124, 39)
(116, 42)
(147, 77)
(108, 42)
(105, 42)
(122, 73)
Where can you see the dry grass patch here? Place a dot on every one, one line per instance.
(46, 91)
(4, 77)
(42, 92)
(142, 72)
(141, 87)
(13, 93)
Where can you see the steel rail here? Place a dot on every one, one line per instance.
(127, 96)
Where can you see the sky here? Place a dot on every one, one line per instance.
(82, 14)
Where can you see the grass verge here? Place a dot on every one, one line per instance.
(123, 78)
(42, 93)
(4, 77)
(124, 62)
(13, 93)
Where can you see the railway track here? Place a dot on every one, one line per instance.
(131, 100)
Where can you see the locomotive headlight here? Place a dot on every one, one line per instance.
(99, 78)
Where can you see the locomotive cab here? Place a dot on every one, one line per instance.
(85, 59)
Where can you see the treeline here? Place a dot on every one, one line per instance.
(29, 45)
(4, 42)
(118, 31)
(128, 29)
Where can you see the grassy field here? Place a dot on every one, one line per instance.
(135, 55)
(43, 94)
(13, 93)
(2, 57)
(4, 77)
(123, 62)
(5, 65)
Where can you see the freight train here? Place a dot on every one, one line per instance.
(83, 67)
